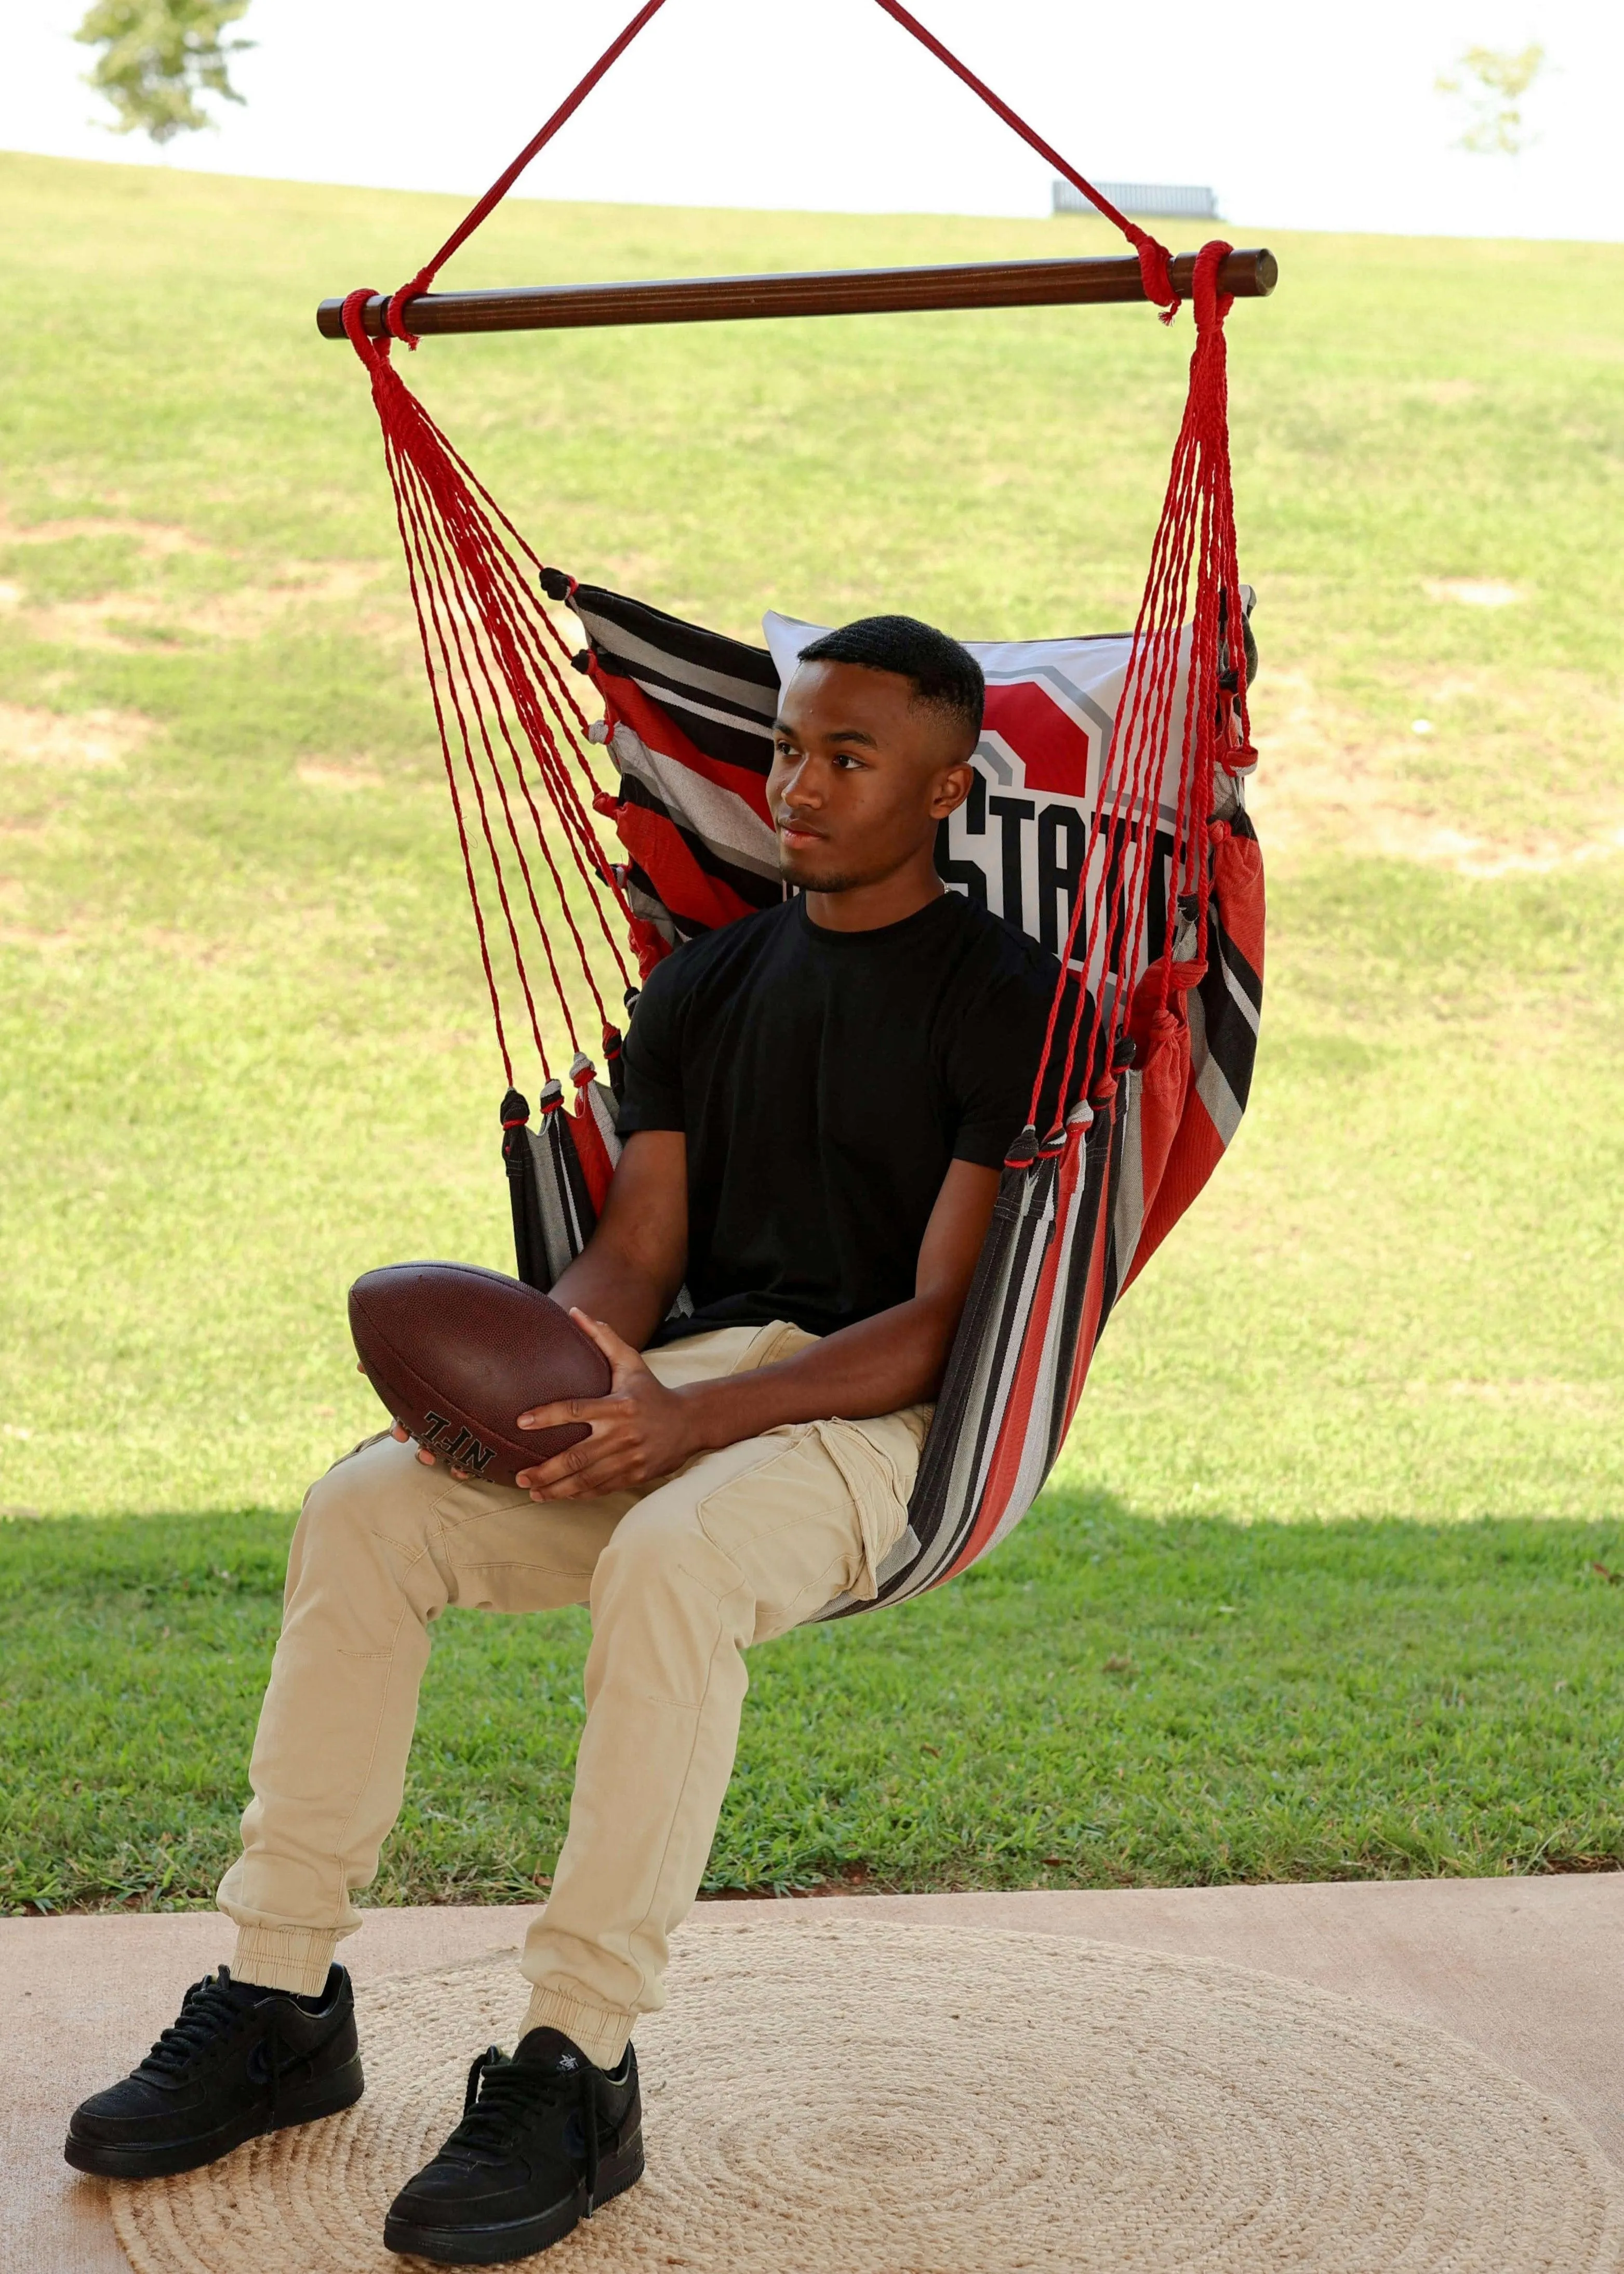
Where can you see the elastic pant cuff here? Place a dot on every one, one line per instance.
(602, 2037)
(292, 1958)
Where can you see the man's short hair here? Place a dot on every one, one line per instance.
(941, 671)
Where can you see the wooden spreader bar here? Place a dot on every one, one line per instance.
(1248, 275)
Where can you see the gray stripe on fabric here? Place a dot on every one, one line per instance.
(1210, 1082)
(1053, 1364)
(1250, 1010)
(752, 700)
(1030, 1262)
(601, 1104)
(948, 1468)
(1223, 1105)
(978, 1326)
(561, 1224)
(998, 1356)
(895, 1560)
(1104, 1166)
(669, 698)
(718, 815)
(1128, 1218)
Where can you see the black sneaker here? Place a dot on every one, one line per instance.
(545, 2139)
(238, 2060)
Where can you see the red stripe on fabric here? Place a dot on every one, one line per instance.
(700, 901)
(1195, 1152)
(1094, 1305)
(1010, 1447)
(1162, 1048)
(590, 1151)
(654, 725)
(1238, 889)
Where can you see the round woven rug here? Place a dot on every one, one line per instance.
(848, 2098)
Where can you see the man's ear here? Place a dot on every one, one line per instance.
(952, 787)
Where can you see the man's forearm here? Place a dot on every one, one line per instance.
(605, 1285)
(881, 1364)
(633, 1264)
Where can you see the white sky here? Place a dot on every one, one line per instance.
(1300, 113)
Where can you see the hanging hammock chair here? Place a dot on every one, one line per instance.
(1107, 819)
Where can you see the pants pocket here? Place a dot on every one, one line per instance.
(879, 1461)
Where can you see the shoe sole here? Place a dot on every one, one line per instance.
(519, 2238)
(106, 2159)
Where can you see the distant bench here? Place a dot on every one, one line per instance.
(1155, 200)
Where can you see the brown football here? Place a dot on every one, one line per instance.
(457, 1354)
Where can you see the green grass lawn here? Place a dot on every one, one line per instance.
(245, 1053)
(1107, 1702)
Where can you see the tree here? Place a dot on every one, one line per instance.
(157, 57)
(1493, 81)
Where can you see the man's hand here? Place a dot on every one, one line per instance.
(641, 1432)
(402, 1437)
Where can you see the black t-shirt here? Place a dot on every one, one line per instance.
(823, 1081)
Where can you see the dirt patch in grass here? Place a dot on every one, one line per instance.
(155, 540)
(1482, 779)
(130, 623)
(339, 774)
(75, 738)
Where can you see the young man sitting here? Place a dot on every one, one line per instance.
(818, 1100)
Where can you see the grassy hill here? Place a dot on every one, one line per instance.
(241, 1022)
(245, 1048)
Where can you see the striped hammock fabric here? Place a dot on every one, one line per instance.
(1044, 840)
(1108, 820)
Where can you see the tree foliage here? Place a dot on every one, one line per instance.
(158, 56)
(1492, 82)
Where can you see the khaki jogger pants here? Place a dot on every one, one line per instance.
(741, 1545)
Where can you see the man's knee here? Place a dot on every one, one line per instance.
(664, 1599)
(659, 1549)
(370, 1509)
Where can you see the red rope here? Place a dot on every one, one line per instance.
(1153, 255)
(437, 595)
(460, 551)
(352, 325)
(505, 180)
(446, 556)
(520, 612)
(1196, 533)
(457, 546)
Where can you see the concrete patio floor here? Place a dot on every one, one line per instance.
(1531, 1971)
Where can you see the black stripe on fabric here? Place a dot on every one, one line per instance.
(1245, 977)
(756, 892)
(683, 642)
(571, 1174)
(1099, 1156)
(1017, 1319)
(529, 1238)
(980, 1326)
(1231, 1038)
(748, 749)
(663, 686)
(642, 889)
(929, 1499)
(1111, 1275)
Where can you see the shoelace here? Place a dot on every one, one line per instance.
(208, 2011)
(500, 2089)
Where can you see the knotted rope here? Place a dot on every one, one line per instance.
(493, 655)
